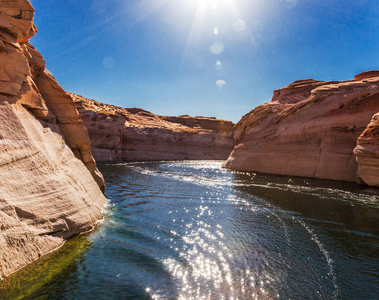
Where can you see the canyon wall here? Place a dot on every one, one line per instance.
(367, 153)
(133, 134)
(310, 129)
(50, 188)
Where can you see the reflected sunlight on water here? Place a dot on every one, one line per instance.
(191, 230)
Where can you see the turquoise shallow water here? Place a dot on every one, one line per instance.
(191, 230)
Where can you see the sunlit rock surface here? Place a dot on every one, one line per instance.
(367, 153)
(310, 129)
(133, 134)
(47, 193)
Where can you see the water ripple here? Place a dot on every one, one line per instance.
(191, 230)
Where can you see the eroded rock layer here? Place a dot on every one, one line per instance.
(47, 193)
(133, 134)
(310, 129)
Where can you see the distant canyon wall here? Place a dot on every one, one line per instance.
(133, 134)
(50, 188)
(317, 129)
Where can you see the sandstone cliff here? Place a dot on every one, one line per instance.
(47, 193)
(367, 153)
(132, 134)
(310, 129)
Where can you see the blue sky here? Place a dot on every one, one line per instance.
(166, 56)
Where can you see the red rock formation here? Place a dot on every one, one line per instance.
(367, 74)
(309, 129)
(47, 194)
(134, 134)
(367, 153)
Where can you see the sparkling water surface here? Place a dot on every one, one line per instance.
(192, 230)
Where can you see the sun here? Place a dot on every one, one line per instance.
(206, 6)
(213, 3)
(221, 7)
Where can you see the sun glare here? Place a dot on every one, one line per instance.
(214, 4)
(205, 8)
(209, 26)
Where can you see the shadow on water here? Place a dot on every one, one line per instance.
(59, 267)
(354, 206)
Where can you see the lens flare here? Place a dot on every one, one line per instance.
(217, 48)
(219, 65)
(239, 25)
(220, 83)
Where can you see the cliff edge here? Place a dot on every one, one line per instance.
(311, 128)
(50, 188)
(133, 134)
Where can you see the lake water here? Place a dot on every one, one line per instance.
(192, 230)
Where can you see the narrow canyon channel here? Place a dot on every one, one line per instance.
(192, 230)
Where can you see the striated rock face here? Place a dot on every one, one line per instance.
(367, 153)
(47, 193)
(134, 134)
(310, 129)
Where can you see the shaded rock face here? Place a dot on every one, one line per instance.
(47, 192)
(310, 129)
(134, 134)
